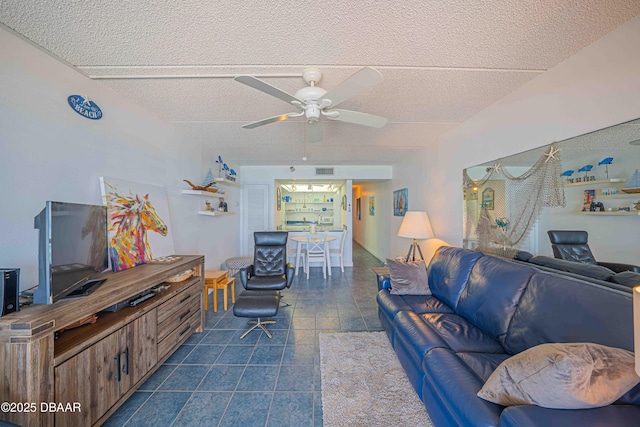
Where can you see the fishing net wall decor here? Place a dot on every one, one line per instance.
(498, 228)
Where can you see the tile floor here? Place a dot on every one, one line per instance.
(216, 379)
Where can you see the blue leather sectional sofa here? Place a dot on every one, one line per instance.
(485, 309)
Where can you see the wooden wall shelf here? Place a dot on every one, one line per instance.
(611, 213)
(202, 193)
(215, 213)
(225, 181)
(596, 182)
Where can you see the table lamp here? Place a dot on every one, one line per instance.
(636, 326)
(415, 225)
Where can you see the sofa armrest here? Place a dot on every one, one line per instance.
(619, 267)
(384, 282)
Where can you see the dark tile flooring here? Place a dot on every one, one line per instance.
(216, 379)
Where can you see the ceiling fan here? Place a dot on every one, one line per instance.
(314, 102)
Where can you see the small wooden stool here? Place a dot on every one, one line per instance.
(215, 280)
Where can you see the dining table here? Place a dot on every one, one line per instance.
(302, 240)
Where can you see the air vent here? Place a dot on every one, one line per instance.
(324, 171)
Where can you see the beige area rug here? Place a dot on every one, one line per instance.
(363, 383)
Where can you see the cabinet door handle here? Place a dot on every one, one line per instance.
(184, 299)
(118, 371)
(126, 361)
(184, 315)
(185, 331)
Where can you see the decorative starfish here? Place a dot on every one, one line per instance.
(496, 168)
(551, 154)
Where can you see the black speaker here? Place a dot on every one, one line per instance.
(9, 290)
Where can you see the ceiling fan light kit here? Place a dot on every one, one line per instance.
(313, 102)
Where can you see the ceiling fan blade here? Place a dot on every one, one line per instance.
(266, 121)
(266, 88)
(359, 118)
(360, 81)
(314, 132)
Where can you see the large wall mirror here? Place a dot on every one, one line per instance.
(590, 172)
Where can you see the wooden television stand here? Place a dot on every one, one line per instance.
(96, 367)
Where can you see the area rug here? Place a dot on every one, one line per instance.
(363, 383)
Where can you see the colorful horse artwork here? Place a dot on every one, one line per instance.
(130, 218)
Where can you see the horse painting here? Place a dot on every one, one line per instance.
(130, 218)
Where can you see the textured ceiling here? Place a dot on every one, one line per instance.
(442, 61)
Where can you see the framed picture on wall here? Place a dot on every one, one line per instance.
(372, 205)
(400, 202)
(358, 211)
(487, 198)
(278, 198)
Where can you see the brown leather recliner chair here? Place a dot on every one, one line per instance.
(571, 245)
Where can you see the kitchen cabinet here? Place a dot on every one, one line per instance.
(302, 209)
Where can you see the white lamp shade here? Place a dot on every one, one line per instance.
(636, 326)
(416, 225)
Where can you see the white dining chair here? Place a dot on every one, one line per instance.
(294, 257)
(339, 251)
(316, 250)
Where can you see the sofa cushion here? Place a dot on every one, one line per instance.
(408, 277)
(392, 304)
(627, 278)
(523, 256)
(534, 416)
(492, 294)
(449, 271)
(417, 335)
(456, 384)
(588, 270)
(460, 334)
(413, 338)
(483, 364)
(554, 308)
(562, 376)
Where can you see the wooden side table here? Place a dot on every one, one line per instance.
(215, 280)
(228, 284)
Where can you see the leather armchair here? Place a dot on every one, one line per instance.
(571, 245)
(269, 271)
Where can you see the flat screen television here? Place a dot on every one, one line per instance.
(72, 252)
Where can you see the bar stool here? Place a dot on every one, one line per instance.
(215, 280)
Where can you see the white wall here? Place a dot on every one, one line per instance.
(379, 234)
(597, 87)
(48, 152)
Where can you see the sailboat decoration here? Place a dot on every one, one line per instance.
(208, 180)
(633, 185)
